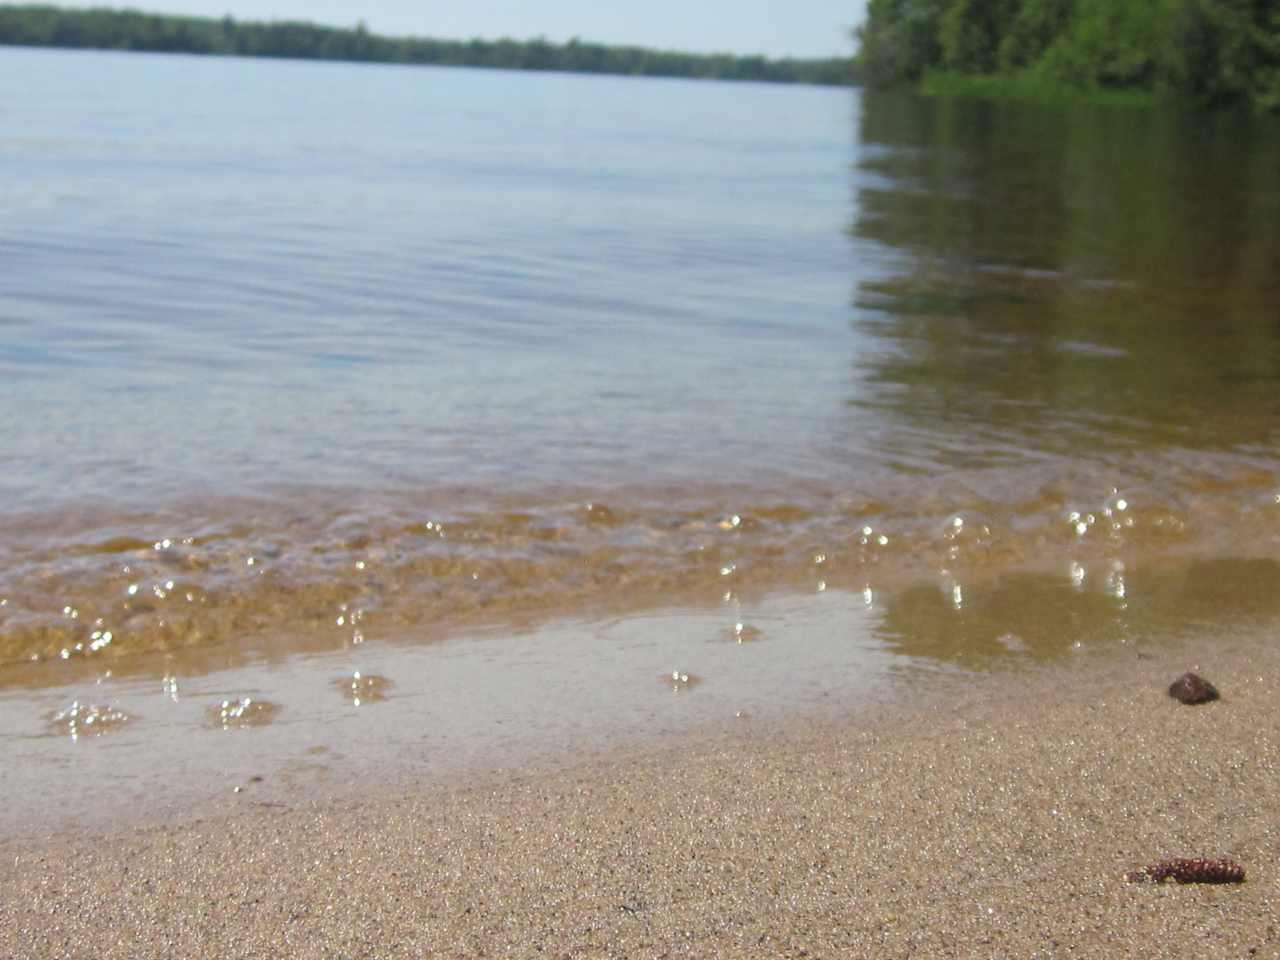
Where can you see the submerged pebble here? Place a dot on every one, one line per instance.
(362, 688)
(87, 719)
(243, 712)
(680, 680)
(745, 633)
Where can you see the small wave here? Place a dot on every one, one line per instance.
(330, 575)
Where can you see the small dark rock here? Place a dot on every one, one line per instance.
(1191, 688)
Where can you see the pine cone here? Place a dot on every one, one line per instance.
(1198, 870)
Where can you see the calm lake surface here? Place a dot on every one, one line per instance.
(324, 360)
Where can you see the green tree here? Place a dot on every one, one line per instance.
(971, 31)
(1033, 29)
(900, 39)
(1210, 51)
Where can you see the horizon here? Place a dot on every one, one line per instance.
(751, 27)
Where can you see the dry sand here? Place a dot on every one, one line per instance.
(998, 824)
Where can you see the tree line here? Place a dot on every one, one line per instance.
(47, 26)
(1212, 51)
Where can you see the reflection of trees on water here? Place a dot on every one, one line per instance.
(1070, 275)
(1041, 618)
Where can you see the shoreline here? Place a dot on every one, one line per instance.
(410, 709)
(998, 818)
(85, 593)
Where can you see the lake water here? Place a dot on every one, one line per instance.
(304, 365)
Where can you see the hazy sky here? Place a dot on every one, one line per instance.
(774, 27)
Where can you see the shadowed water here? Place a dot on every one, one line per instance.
(1076, 284)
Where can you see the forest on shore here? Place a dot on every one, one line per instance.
(48, 26)
(1212, 52)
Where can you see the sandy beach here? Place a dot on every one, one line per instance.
(995, 820)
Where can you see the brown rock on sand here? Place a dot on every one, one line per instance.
(1192, 688)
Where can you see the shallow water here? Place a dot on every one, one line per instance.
(339, 725)
(305, 367)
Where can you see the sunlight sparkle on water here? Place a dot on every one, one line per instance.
(1077, 573)
(1116, 586)
(1116, 510)
(1081, 522)
(869, 537)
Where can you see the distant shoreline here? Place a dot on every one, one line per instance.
(132, 30)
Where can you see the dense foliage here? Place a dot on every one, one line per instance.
(131, 30)
(1216, 51)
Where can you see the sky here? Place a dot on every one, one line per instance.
(802, 28)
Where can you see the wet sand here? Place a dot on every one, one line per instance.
(998, 820)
